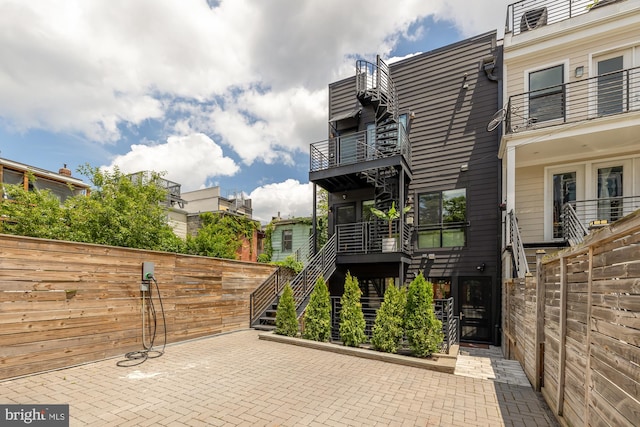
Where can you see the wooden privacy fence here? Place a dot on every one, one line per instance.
(64, 303)
(577, 334)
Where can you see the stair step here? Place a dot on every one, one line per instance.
(264, 327)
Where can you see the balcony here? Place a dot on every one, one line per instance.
(367, 238)
(581, 216)
(360, 147)
(589, 99)
(527, 15)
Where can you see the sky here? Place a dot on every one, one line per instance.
(210, 92)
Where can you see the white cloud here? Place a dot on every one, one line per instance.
(189, 160)
(249, 72)
(290, 198)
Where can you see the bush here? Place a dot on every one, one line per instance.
(352, 322)
(317, 317)
(286, 319)
(290, 263)
(388, 330)
(423, 329)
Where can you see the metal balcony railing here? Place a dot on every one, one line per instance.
(517, 248)
(594, 213)
(359, 147)
(573, 230)
(374, 80)
(605, 95)
(367, 237)
(527, 15)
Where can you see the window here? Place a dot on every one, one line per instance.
(367, 215)
(287, 240)
(546, 94)
(442, 219)
(610, 86)
(441, 287)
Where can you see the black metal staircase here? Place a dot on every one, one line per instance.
(263, 315)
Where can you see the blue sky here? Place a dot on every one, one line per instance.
(227, 93)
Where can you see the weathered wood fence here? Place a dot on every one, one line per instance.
(64, 303)
(577, 334)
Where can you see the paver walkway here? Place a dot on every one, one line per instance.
(489, 364)
(237, 379)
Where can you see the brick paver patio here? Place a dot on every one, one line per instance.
(237, 379)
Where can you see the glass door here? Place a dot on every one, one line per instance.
(610, 193)
(475, 309)
(610, 86)
(564, 191)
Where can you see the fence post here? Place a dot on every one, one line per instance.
(562, 335)
(587, 380)
(540, 303)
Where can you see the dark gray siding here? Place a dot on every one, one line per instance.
(449, 130)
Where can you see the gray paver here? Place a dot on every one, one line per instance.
(237, 379)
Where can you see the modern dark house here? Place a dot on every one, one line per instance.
(414, 134)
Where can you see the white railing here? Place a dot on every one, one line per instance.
(517, 248)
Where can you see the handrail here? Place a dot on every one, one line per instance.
(586, 99)
(517, 248)
(261, 298)
(572, 229)
(322, 264)
(374, 79)
(554, 10)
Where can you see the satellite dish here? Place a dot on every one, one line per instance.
(496, 119)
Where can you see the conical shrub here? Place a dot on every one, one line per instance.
(317, 317)
(423, 329)
(388, 329)
(352, 324)
(286, 319)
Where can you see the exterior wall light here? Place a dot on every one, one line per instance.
(579, 71)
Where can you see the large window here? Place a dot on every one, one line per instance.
(287, 240)
(546, 94)
(610, 86)
(442, 219)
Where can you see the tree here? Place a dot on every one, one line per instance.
(388, 329)
(423, 329)
(352, 324)
(390, 215)
(317, 317)
(34, 213)
(220, 235)
(121, 212)
(322, 217)
(286, 318)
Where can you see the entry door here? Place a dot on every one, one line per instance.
(610, 193)
(475, 309)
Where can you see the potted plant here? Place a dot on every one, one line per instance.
(390, 243)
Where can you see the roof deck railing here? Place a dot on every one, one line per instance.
(527, 15)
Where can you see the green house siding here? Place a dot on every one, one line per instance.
(300, 240)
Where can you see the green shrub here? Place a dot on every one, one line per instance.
(286, 319)
(317, 317)
(290, 263)
(388, 330)
(423, 329)
(352, 322)
(263, 258)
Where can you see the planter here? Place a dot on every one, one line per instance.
(389, 244)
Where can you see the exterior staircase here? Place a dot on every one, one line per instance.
(264, 300)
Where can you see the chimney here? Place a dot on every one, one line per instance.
(64, 171)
